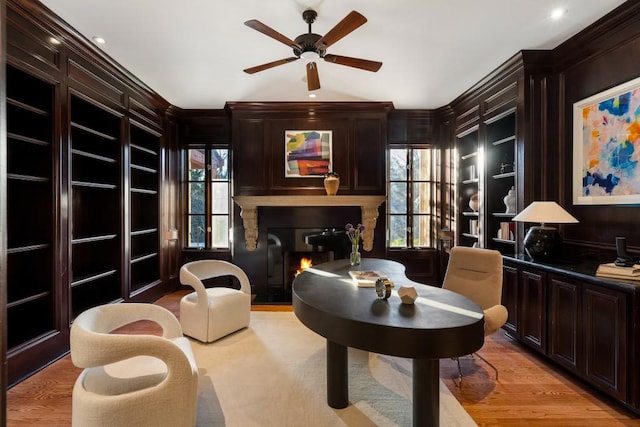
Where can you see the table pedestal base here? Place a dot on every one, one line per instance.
(337, 376)
(426, 385)
(426, 392)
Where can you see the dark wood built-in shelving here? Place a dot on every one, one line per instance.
(144, 263)
(96, 192)
(31, 293)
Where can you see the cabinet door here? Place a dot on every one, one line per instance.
(564, 322)
(533, 314)
(510, 298)
(605, 335)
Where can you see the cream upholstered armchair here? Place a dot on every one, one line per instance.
(208, 314)
(132, 379)
(477, 274)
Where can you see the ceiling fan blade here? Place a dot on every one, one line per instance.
(363, 64)
(269, 65)
(313, 79)
(268, 31)
(350, 22)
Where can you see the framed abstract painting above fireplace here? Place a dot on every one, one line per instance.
(308, 153)
(606, 147)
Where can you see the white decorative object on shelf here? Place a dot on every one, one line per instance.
(510, 201)
(407, 294)
(474, 202)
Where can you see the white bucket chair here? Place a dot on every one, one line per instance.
(477, 274)
(208, 314)
(132, 379)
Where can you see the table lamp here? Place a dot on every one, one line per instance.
(542, 242)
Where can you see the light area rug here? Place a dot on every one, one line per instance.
(273, 373)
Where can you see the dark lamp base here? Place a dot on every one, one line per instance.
(542, 243)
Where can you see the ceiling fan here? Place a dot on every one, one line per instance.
(312, 47)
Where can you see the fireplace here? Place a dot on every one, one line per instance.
(286, 248)
(276, 229)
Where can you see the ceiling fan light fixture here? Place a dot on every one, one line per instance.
(310, 55)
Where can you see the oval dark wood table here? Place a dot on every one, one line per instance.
(441, 324)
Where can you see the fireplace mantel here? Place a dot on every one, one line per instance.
(249, 211)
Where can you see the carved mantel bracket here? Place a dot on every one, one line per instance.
(249, 212)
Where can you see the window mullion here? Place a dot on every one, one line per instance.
(208, 199)
(410, 198)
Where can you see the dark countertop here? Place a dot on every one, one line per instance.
(581, 268)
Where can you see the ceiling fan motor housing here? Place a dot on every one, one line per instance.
(308, 41)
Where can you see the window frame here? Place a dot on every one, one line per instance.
(434, 183)
(208, 199)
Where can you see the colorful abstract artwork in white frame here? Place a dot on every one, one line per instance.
(606, 147)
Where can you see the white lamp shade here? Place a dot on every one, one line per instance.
(545, 212)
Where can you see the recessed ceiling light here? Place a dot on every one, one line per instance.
(312, 95)
(98, 40)
(558, 13)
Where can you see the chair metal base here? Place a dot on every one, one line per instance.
(457, 359)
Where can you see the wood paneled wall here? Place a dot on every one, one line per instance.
(359, 137)
(258, 136)
(603, 56)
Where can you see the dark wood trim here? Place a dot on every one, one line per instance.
(268, 108)
(615, 28)
(3, 219)
(75, 42)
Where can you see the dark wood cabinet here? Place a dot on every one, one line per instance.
(577, 320)
(510, 299)
(421, 265)
(524, 295)
(564, 317)
(533, 308)
(605, 339)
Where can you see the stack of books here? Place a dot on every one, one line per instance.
(506, 231)
(366, 279)
(614, 272)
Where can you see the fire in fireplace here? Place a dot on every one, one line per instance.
(287, 247)
(304, 264)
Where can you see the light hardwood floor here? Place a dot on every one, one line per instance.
(530, 391)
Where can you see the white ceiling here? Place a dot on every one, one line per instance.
(192, 52)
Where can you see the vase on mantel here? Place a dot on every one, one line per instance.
(331, 183)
